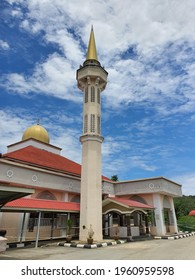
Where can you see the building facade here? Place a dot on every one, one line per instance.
(58, 190)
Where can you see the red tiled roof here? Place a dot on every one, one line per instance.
(42, 204)
(131, 203)
(43, 158)
(192, 213)
(61, 206)
(33, 156)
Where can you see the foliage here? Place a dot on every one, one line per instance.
(186, 223)
(114, 178)
(69, 226)
(183, 205)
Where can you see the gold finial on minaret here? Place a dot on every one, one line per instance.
(91, 51)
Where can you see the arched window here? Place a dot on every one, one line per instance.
(92, 94)
(86, 94)
(86, 124)
(92, 126)
(98, 125)
(75, 198)
(46, 195)
(98, 95)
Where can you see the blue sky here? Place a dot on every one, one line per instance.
(148, 107)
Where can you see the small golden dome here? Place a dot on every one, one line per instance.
(36, 132)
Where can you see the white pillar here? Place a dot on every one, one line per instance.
(159, 218)
(38, 228)
(91, 188)
(22, 227)
(175, 228)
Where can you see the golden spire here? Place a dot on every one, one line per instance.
(91, 52)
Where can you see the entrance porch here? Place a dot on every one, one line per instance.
(126, 218)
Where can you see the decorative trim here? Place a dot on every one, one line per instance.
(174, 237)
(34, 178)
(91, 137)
(100, 245)
(10, 173)
(91, 246)
(15, 245)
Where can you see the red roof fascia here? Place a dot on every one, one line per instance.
(131, 203)
(43, 204)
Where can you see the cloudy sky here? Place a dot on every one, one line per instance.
(148, 107)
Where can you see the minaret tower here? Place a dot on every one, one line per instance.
(92, 79)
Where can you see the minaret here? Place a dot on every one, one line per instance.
(92, 79)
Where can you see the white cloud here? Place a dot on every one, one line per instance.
(154, 30)
(111, 146)
(4, 45)
(12, 128)
(68, 44)
(146, 24)
(187, 180)
(17, 82)
(146, 46)
(54, 77)
(142, 163)
(119, 155)
(14, 123)
(69, 141)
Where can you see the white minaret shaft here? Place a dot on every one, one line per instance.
(92, 79)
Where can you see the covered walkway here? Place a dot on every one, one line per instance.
(42, 219)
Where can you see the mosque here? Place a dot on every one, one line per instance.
(41, 191)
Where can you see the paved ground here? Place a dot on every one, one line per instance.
(181, 249)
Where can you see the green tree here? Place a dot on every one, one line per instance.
(186, 223)
(183, 205)
(69, 226)
(114, 178)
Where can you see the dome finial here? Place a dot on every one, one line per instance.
(38, 121)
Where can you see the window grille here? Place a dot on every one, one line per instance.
(92, 94)
(86, 94)
(92, 128)
(98, 125)
(98, 95)
(86, 124)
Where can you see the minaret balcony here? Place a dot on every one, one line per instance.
(91, 137)
(92, 71)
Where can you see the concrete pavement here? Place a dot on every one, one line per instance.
(180, 249)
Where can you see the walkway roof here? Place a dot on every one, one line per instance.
(11, 191)
(43, 205)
